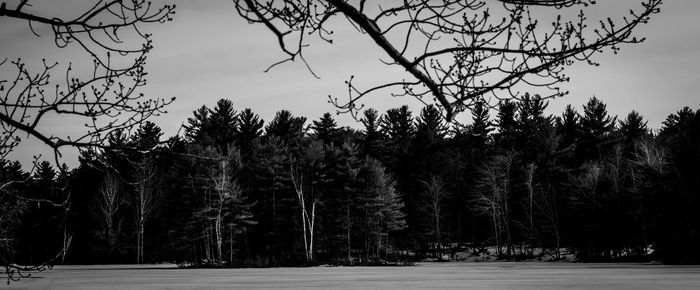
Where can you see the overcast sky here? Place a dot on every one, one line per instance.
(208, 52)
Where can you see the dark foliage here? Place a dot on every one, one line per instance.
(230, 193)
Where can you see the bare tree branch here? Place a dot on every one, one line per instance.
(104, 97)
(458, 52)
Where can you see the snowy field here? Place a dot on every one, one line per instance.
(422, 276)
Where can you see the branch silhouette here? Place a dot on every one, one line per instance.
(457, 53)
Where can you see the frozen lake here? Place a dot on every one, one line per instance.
(422, 276)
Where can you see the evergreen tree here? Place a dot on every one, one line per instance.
(633, 129)
(341, 195)
(217, 126)
(678, 196)
(373, 138)
(197, 125)
(596, 128)
(507, 125)
(430, 125)
(249, 129)
(223, 124)
(381, 211)
(338, 186)
(44, 223)
(273, 202)
(569, 127)
(397, 124)
(12, 209)
(147, 136)
(480, 129)
(287, 127)
(533, 125)
(325, 129)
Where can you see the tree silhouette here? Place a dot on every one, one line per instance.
(507, 125)
(249, 129)
(373, 139)
(12, 209)
(325, 128)
(104, 96)
(569, 126)
(430, 125)
(285, 126)
(596, 130)
(456, 53)
(633, 130)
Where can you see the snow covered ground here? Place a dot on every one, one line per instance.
(422, 276)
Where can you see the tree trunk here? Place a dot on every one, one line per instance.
(311, 229)
(230, 250)
(348, 234)
(110, 232)
(306, 243)
(308, 220)
(219, 238)
(139, 241)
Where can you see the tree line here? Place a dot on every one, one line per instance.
(234, 190)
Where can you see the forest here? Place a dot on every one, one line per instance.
(234, 190)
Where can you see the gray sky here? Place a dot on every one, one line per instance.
(208, 52)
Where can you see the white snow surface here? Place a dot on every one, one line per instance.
(484, 275)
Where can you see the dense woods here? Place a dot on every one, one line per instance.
(235, 190)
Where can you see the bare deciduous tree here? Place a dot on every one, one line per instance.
(13, 204)
(103, 96)
(224, 192)
(147, 197)
(107, 206)
(589, 180)
(650, 156)
(530, 171)
(12, 209)
(457, 52)
(431, 206)
(492, 196)
(308, 212)
(230, 207)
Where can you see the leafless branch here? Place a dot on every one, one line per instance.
(105, 97)
(458, 53)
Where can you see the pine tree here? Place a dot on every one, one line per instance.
(373, 139)
(249, 129)
(569, 127)
(507, 125)
(287, 127)
(380, 207)
(325, 129)
(397, 124)
(633, 129)
(597, 128)
(147, 136)
(338, 186)
(223, 124)
(272, 196)
(677, 195)
(533, 126)
(197, 125)
(480, 128)
(12, 209)
(217, 126)
(430, 125)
